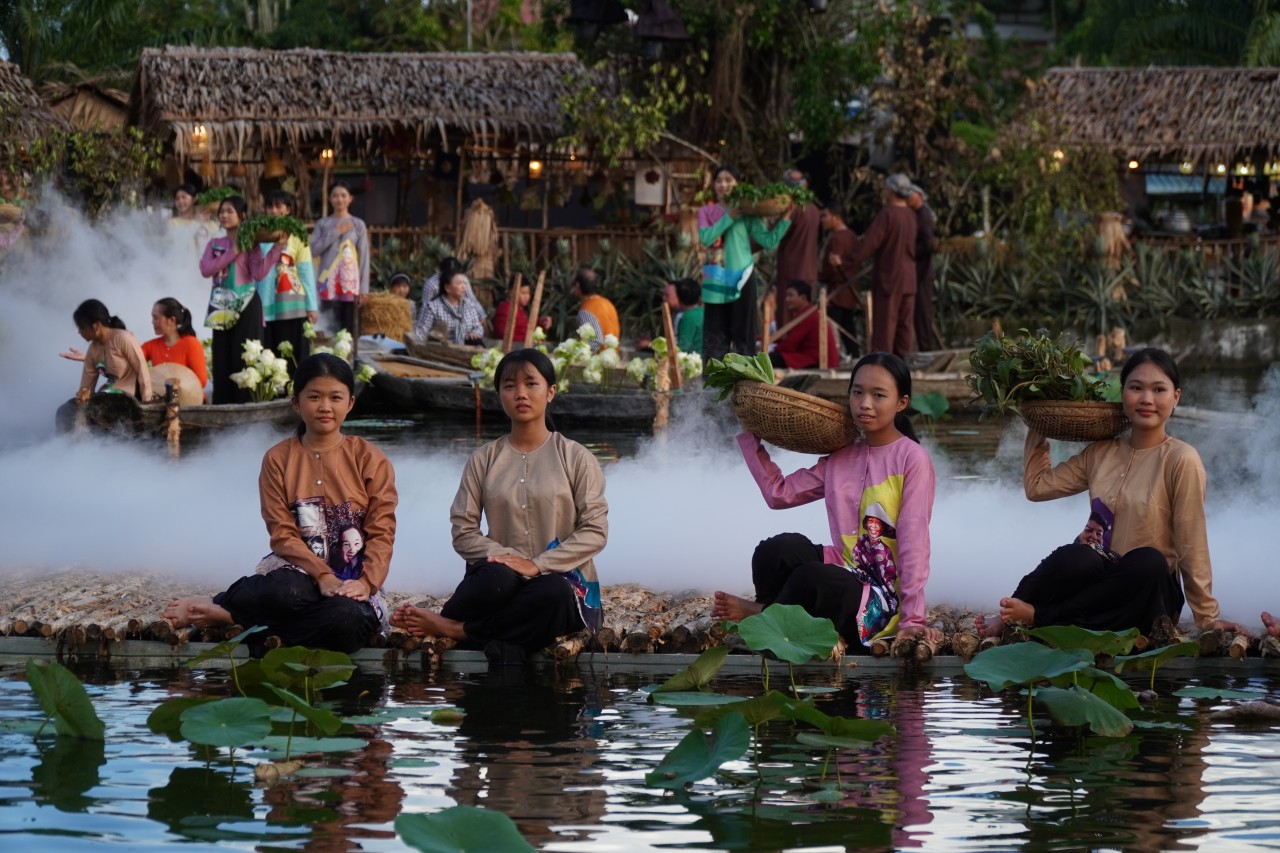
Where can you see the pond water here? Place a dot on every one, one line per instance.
(564, 753)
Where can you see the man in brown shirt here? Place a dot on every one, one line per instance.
(891, 241)
(926, 242)
(798, 251)
(838, 276)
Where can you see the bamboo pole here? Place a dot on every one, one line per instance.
(823, 356)
(764, 328)
(870, 321)
(534, 307)
(324, 193)
(513, 308)
(673, 349)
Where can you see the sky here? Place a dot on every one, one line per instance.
(684, 512)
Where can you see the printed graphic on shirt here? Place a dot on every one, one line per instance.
(1097, 530)
(334, 533)
(342, 278)
(872, 557)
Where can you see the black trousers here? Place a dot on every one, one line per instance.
(289, 603)
(788, 569)
(1075, 585)
(733, 326)
(228, 350)
(336, 314)
(279, 331)
(495, 602)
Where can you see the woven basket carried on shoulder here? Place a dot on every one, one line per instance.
(791, 419)
(1067, 420)
(775, 206)
(266, 236)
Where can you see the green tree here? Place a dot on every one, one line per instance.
(1173, 32)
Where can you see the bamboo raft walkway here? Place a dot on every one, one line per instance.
(116, 617)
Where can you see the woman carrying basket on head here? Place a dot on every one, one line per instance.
(879, 495)
(1147, 493)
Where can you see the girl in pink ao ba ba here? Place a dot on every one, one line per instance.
(879, 494)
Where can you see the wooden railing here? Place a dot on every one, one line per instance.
(1220, 256)
(541, 245)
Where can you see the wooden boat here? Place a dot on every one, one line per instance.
(943, 371)
(124, 413)
(457, 355)
(423, 386)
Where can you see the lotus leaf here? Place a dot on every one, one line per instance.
(1201, 692)
(698, 674)
(756, 710)
(1098, 642)
(686, 698)
(277, 744)
(166, 719)
(63, 698)
(1156, 658)
(323, 719)
(1107, 687)
(291, 666)
(227, 722)
(789, 632)
(1076, 706)
(226, 647)
(461, 829)
(700, 755)
(1025, 663)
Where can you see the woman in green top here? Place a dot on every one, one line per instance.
(728, 274)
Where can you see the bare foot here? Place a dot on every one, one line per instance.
(732, 608)
(1272, 624)
(206, 614)
(1017, 610)
(178, 613)
(988, 626)
(421, 622)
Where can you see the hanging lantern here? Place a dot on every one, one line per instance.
(273, 167)
(206, 170)
(237, 171)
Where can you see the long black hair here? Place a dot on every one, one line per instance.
(516, 360)
(901, 375)
(238, 204)
(175, 310)
(316, 366)
(92, 311)
(1152, 355)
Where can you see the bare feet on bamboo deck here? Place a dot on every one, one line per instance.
(1271, 623)
(421, 622)
(206, 614)
(733, 608)
(988, 626)
(178, 613)
(1017, 610)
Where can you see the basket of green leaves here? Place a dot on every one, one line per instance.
(783, 417)
(768, 199)
(268, 229)
(212, 198)
(1046, 381)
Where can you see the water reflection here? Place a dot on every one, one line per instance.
(66, 771)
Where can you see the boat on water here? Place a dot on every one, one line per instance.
(123, 413)
(942, 371)
(416, 385)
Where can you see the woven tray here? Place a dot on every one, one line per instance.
(1071, 421)
(791, 419)
(775, 206)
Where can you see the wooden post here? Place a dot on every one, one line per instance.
(823, 355)
(768, 321)
(673, 349)
(866, 348)
(534, 307)
(513, 307)
(457, 204)
(324, 194)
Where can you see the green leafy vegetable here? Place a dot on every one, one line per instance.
(1010, 370)
(734, 368)
(251, 228)
(216, 195)
(746, 195)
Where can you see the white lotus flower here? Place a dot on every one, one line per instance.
(539, 334)
(637, 370)
(609, 358)
(585, 332)
(252, 351)
(610, 341)
(592, 373)
(342, 349)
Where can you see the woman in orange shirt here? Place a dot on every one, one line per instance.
(176, 342)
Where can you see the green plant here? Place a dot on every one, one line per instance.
(461, 828)
(64, 701)
(734, 368)
(745, 194)
(247, 236)
(1006, 371)
(216, 195)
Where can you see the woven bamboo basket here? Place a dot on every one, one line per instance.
(10, 213)
(775, 206)
(791, 419)
(1067, 420)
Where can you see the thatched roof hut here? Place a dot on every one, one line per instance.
(1202, 115)
(88, 106)
(248, 101)
(23, 113)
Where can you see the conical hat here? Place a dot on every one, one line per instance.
(190, 392)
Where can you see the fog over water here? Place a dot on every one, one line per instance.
(684, 512)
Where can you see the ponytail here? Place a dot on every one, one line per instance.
(176, 311)
(93, 311)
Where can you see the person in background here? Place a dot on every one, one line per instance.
(730, 316)
(1148, 489)
(891, 241)
(312, 488)
(687, 296)
(288, 290)
(531, 575)
(594, 309)
(401, 285)
(502, 314)
(235, 311)
(926, 335)
(882, 482)
(1261, 215)
(340, 245)
(449, 267)
(840, 279)
(799, 348)
(113, 354)
(461, 321)
(798, 249)
(175, 341)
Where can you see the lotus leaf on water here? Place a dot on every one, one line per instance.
(789, 632)
(700, 755)
(323, 719)
(1075, 706)
(461, 829)
(227, 722)
(1025, 663)
(64, 700)
(698, 674)
(1098, 642)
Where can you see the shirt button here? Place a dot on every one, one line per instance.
(522, 506)
(522, 479)
(317, 482)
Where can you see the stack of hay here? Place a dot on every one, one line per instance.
(386, 314)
